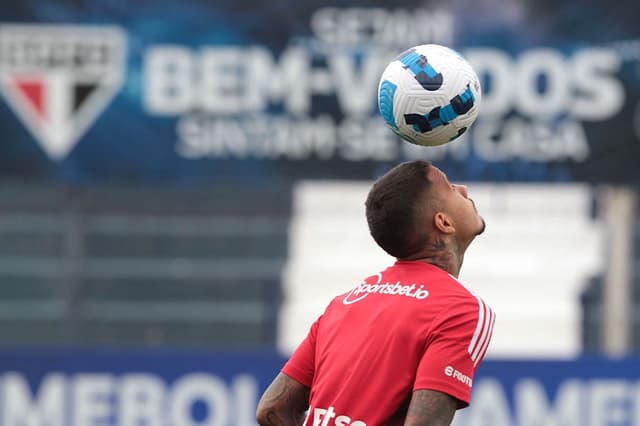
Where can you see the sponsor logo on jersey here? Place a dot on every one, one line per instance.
(328, 417)
(449, 371)
(59, 78)
(416, 291)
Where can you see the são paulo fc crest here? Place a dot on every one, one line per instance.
(59, 78)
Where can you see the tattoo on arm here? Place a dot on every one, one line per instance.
(430, 408)
(283, 403)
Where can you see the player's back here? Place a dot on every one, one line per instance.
(370, 342)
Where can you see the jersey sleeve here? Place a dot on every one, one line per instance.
(455, 347)
(301, 365)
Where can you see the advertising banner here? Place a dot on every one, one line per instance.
(117, 388)
(582, 392)
(68, 387)
(201, 92)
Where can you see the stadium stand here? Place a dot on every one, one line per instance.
(141, 266)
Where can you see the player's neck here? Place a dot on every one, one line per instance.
(444, 252)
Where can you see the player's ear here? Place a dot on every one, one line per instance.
(442, 222)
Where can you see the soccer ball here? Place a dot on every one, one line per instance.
(429, 95)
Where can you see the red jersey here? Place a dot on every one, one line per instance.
(412, 326)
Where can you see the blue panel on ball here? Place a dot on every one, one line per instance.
(385, 102)
(424, 73)
(441, 116)
(463, 102)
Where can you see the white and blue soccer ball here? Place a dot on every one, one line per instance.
(429, 95)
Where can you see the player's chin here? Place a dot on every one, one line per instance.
(482, 226)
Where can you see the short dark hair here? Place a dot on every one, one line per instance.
(392, 208)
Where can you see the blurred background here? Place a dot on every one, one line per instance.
(182, 189)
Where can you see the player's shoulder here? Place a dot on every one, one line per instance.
(461, 298)
(447, 285)
(459, 288)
